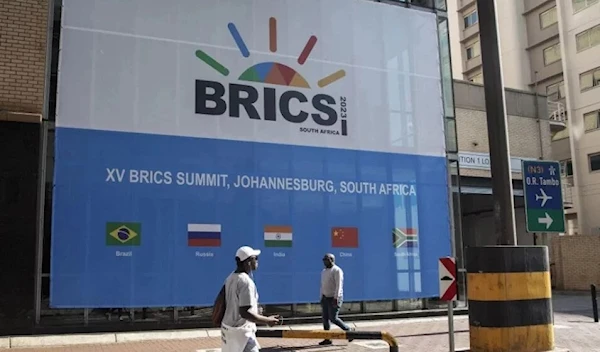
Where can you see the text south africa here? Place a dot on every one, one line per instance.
(194, 179)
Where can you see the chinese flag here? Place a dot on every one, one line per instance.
(344, 237)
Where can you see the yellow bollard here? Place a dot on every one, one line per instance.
(510, 299)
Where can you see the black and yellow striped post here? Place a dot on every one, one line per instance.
(510, 299)
(331, 335)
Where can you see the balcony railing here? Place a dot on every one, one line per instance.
(557, 111)
(567, 191)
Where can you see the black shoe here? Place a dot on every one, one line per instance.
(325, 342)
(351, 329)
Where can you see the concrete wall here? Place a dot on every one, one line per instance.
(579, 102)
(513, 44)
(575, 262)
(535, 33)
(525, 130)
(23, 28)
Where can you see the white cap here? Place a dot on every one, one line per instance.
(246, 252)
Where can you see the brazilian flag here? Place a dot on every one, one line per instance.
(123, 233)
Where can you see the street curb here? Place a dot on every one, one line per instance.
(61, 340)
(4, 342)
(160, 335)
(124, 337)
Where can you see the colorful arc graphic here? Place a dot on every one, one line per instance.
(274, 73)
(271, 72)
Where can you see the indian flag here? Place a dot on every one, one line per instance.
(278, 236)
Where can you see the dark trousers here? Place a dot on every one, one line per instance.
(330, 312)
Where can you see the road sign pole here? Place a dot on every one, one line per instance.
(451, 325)
(448, 291)
(453, 253)
(504, 214)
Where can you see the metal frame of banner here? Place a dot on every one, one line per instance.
(332, 335)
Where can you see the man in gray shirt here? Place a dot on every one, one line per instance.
(238, 329)
(332, 294)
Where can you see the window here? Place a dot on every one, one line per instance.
(556, 91)
(589, 79)
(588, 38)
(579, 5)
(548, 18)
(473, 50)
(591, 120)
(471, 19)
(552, 54)
(594, 162)
(566, 168)
(477, 78)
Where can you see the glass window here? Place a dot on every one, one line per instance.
(471, 19)
(424, 3)
(588, 38)
(594, 162)
(548, 18)
(473, 50)
(552, 54)
(590, 79)
(579, 5)
(446, 67)
(566, 167)
(556, 91)
(591, 120)
(451, 138)
(441, 5)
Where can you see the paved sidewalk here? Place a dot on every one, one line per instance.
(575, 331)
(421, 334)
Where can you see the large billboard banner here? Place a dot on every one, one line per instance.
(186, 129)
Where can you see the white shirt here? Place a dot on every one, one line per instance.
(237, 333)
(332, 282)
(240, 291)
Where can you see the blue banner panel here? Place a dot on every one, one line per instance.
(135, 226)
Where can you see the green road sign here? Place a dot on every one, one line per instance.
(542, 189)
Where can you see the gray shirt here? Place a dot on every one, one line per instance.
(240, 291)
(332, 282)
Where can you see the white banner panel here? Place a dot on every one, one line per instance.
(337, 73)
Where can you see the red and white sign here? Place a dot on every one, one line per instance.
(447, 274)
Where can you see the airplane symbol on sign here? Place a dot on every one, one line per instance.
(544, 197)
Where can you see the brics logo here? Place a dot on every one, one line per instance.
(213, 98)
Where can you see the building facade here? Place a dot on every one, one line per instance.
(27, 112)
(25, 42)
(550, 48)
(30, 38)
(530, 132)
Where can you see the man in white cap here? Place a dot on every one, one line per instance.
(238, 330)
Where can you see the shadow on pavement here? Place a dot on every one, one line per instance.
(300, 348)
(579, 313)
(432, 333)
(582, 321)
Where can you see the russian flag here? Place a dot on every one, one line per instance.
(204, 235)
